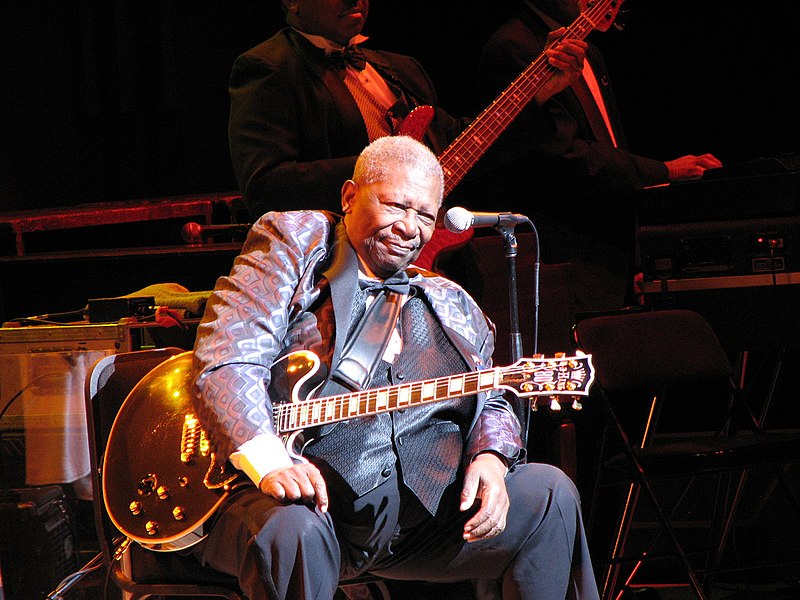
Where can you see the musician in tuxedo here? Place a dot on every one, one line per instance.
(305, 102)
(575, 178)
(438, 492)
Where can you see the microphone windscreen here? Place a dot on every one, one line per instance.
(458, 219)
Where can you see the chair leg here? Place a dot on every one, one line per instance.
(644, 483)
(694, 583)
(618, 547)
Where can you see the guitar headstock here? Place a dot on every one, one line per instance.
(558, 376)
(602, 13)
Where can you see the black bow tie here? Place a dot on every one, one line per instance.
(396, 283)
(352, 55)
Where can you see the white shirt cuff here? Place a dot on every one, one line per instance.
(261, 455)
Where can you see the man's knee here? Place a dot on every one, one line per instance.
(294, 524)
(545, 485)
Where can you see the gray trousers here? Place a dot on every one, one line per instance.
(295, 552)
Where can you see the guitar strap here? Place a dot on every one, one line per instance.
(368, 340)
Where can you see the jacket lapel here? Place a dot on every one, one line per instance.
(342, 273)
(347, 115)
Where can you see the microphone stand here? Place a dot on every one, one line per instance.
(511, 249)
(563, 436)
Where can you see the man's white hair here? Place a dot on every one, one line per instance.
(387, 153)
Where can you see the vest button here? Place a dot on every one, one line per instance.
(386, 471)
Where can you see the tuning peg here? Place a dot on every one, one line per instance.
(619, 22)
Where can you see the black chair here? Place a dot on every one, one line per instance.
(136, 571)
(656, 372)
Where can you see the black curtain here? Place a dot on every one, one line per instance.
(116, 99)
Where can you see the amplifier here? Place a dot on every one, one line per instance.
(741, 275)
(720, 248)
(37, 541)
(111, 337)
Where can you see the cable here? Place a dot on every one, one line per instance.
(55, 318)
(73, 578)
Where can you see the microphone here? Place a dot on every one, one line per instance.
(459, 219)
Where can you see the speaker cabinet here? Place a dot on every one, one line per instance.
(37, 541)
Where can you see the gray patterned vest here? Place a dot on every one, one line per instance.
(427, 441)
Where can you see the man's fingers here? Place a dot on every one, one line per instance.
(301, 482)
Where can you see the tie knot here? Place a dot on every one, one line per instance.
(397, 283)
(352, 55)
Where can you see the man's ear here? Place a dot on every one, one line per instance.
(349, 189)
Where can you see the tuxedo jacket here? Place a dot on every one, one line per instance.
(295, 130)
(292, 288)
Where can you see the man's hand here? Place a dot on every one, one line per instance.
(302, 482)
(567, 56)
(691, 167)
(485, 481)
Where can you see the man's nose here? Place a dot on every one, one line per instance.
(408, 224)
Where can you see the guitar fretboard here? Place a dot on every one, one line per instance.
(563, 376)
(298, 415)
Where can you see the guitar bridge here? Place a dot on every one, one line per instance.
(194, 441)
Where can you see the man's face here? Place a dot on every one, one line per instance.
(336, 20)
(389, 221)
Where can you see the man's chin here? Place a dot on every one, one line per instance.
(393, 264)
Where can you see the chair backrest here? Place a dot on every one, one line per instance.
(646, 349)
(107, 385)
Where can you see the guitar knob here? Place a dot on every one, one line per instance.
(135, 507)
(151, 527)
(178, 513)
(183, 481)
(163, 492)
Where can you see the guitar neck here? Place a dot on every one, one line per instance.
(320, 411)
(561, 376)
(462, 154)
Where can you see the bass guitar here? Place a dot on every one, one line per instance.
(161, 479)
(462, 154)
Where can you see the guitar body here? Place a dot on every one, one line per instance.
(153, 494)
(161, 481)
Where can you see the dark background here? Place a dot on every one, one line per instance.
(119, 100)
